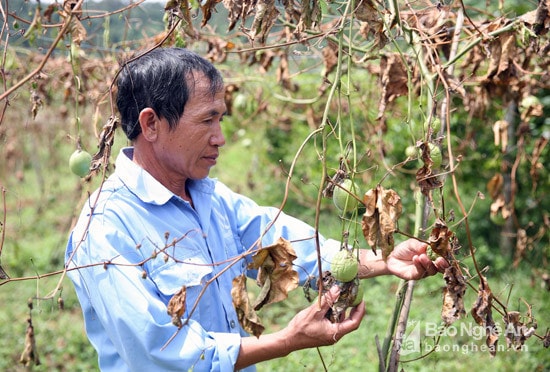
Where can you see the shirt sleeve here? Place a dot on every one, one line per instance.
(126, 317)
(253, 221)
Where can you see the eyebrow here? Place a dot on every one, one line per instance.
(214, 112)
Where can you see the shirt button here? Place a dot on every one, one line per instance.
(232, 324)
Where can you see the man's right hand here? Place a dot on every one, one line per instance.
(311, 327)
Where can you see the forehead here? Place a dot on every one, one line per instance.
(199, 84)
(204, 98)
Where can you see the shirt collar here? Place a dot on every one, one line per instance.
(146, 187)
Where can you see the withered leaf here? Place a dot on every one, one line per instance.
(495, 185)
(77, 30)
(106, 140)
(500, 134)
(379, 222)
(483, 315)
(207, 8)
(539, 19)
(516, 332)
(275, 273)
(30, 353)
(330, 58)
(424, 176)
(248, 318)
(366, 11)
(310, 16)
(394, 80)
(440, 238)
(176, 306)
(453, 294)
(180, 10)
(264, 19)
(501, 70)
(348, 293)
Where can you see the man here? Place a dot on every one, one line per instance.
(159, 224)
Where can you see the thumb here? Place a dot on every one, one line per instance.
(330, 297)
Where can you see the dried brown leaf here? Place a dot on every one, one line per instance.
(546, 339)
(495, 185)
(379, 222)
(207, 7)
(180, 10)
(522, 243)
(539, 19)
(394, 80)
(264, 19)
(176, 306)
(366, 11)
(502, 52)
(453, 294)
(483, 315)
(78, 32)
(29, 355)
(515, 331)
(425, 178)
(310, 17)
(248, 318)
(106, 139)
(276, 275)
(440, 238)
(330, 58)
(372, 22)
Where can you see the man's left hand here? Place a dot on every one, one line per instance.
(409, 261)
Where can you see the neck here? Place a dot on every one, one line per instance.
(146, 160)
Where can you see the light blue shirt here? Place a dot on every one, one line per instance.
(124, 292)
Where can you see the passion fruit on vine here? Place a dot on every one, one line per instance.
(435, 155)
(343, 196)
(344, 266)
(360, 293)
(79, 162)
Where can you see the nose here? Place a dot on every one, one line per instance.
(217, 138)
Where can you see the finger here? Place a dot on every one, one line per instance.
(421, 247)
(425, 265)
(330, 297)
(358, 312)
(352, 322)
(441, 264)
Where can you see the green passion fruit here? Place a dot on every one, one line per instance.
(344, 266)
(343, 196)
(435, 155)
(360, 293)
(79, 162)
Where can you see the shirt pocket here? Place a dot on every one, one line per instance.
(171, 276)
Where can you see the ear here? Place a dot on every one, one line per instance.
(150, 124)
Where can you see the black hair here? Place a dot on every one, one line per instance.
(160, 79)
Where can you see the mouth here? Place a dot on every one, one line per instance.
(212, 159)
